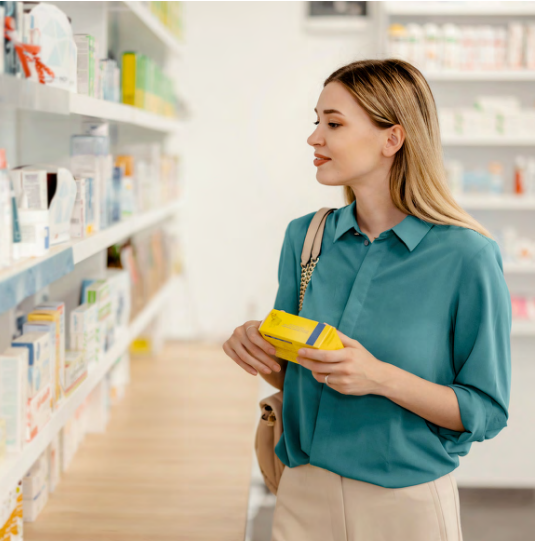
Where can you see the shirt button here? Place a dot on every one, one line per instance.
(366, 243)
(357, 233)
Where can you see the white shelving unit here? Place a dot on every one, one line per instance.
(46, 269)
(496, 202)
(159, 31)
(512, 75)
(41, 107)
(16, 465)
(465, 9)
(504, 461)
(488, 141)
(34, 97)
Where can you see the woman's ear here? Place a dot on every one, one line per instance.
(395, 140)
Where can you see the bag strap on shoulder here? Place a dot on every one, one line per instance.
(312, 248)
(314, 236)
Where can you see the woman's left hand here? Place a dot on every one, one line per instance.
(352, 370)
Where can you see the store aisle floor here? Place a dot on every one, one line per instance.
(174, 463)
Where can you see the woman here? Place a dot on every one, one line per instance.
(415, 287)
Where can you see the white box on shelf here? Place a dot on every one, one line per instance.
(13, 395)
(39, 359)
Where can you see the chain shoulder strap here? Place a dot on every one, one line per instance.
(311, 249)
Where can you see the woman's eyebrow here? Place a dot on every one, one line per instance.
(329, 111)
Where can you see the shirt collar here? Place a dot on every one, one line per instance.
(411, 230)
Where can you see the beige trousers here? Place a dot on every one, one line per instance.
(314, 504)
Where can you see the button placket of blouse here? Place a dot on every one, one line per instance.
(366, 241)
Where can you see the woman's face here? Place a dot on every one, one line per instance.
(346, 136)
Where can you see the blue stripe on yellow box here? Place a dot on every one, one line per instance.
(289, 333)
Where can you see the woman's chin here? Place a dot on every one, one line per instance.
(327, 180)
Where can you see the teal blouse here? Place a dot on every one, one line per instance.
(430, 299)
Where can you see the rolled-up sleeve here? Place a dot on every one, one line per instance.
(481, 351)
(289, 276)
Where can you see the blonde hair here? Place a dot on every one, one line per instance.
(393, 91)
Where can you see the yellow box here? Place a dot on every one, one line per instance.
(289, 333)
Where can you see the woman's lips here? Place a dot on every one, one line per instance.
(320, 161)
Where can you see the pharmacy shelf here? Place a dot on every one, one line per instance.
(29, 276)
(523, 328)
(496, 202)
(144, 14)
(15, 466)
(118, 112)
(519, 268)
(102, 240)
(335, 24)
(488, 141)
(489, 75)
(32, 96)
(460, 8)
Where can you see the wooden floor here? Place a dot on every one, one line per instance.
(174, 463)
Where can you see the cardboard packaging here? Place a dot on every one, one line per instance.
(38, 345)
(38, 412)
(289, 333)
(13, 395)
(75, 370)
(83, 331)
(54, 312)
(50, 327)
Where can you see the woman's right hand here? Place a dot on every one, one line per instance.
(247, 348)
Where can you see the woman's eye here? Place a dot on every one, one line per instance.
(332, 124)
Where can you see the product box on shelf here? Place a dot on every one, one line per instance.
(35, 488)
(128, 77)
(98, 293)
(38, 345)
(128, 190)
(120, 288)
(54, 466)
(50, 328)
(83, 331)
(82, 220)
(72, 434)
(54, 313)
(36, 477)
(11, 522)
(38, 412)
(289, 333)
(90, 157)
(75, 370)
(32, 186)
(13, 396)
(85, 45)
(34, 233)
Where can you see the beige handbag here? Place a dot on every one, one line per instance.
(270, 428)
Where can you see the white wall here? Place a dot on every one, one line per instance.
(252, 77)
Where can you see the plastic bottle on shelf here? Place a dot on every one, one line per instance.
(519, 187)
(397, 41)
(415, 39)
(432, 47)
(496, 179)
(452, 45)
(500, 47)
